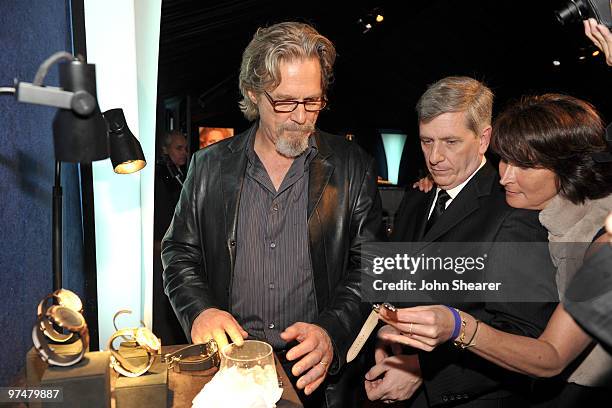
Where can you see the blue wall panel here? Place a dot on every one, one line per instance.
(30, 31)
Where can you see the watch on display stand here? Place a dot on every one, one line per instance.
(138, 338)
(54, 318)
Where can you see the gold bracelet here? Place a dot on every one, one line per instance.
(459, 341)
(472, 341)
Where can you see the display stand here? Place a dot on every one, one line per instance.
(152, 387)
(85, 384)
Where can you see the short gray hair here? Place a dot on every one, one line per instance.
(458, 94)
(288, 41)
(168, 136)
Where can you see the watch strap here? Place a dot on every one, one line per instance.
(209, 357)
(366, 330)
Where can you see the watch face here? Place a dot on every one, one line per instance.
(66, 317)
(146, 338)
(69, 299)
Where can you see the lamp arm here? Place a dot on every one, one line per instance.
(81, 102)
(40, 95)
(44, 95)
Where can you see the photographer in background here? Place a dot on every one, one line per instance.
(601, 37)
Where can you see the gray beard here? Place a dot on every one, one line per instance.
(292, 146)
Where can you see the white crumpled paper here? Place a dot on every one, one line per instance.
(255, 387)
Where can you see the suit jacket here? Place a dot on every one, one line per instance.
(479, 213)
(199, 249)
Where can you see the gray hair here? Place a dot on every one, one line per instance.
(288, 41)
(169, 135)
(458, 94)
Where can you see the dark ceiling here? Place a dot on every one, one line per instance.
(510, 44)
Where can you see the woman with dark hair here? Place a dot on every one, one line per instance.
(547, 146)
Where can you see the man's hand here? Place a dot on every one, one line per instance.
(383, 346)
(401, 377)
(315, 350)
(214, 324)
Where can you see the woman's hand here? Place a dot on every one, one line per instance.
(422, 327)
(425, 184)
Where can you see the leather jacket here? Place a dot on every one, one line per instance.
(199, 248)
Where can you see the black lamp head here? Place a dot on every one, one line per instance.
(125, 150)
(79, 134)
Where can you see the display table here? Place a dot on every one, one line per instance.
(184, 386)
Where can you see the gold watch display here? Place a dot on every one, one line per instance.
(66, 315)
(64, 298)
(140, 337)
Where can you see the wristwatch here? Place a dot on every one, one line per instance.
(144, 339)
(64, 298)
(66, 318)
(207, 353)
(128, 341)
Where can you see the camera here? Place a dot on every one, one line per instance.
(578, 10)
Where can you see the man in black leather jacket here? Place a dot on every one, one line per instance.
(266, 236)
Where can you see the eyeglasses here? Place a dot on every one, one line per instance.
(310, 105)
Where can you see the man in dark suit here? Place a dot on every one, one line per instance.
(169, 178)
(265, 239)
(466, 205)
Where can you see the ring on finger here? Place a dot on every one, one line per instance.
(323, 363)
(410, 329)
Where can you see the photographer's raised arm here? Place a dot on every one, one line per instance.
(601, 36)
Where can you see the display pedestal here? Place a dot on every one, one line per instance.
(85, 384)
(150, 389)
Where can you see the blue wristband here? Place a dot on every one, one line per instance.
(457, 322)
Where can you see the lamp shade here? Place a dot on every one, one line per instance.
(125, 150)
(79, 137)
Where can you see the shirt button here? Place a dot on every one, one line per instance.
(275, 207)
(271, 326)
(271, 286)
(273, 245)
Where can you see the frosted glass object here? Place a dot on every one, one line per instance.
(393, 144)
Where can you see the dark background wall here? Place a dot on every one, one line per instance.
(380, 74)
(30, 31)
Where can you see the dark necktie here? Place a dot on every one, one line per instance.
(438, 209)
